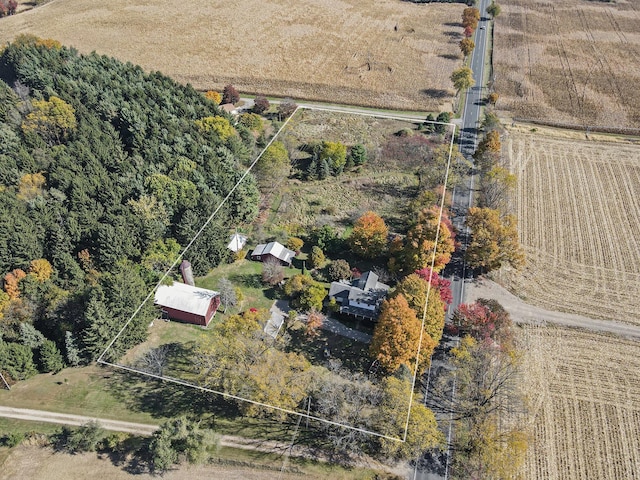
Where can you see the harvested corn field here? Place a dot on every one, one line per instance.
(382, 53)
(575, 61)
(585, 405)
(578, 208)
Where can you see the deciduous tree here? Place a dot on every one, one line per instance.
(494, 10)
(315, 319)
(273, 165)
(470, 17)
(261, 104)
(286, 108)
(295, 244)
(494, 240)
(335, 154)
(339, 270)
(391, 416)
(462, 79)
(214, 96)
(396, 336)
(421, 238)
(228, 296)
(31, 185)
(272, 271)
(369, 236)
(52, 119)
(230, 95)
(466, 46)
(40, 269)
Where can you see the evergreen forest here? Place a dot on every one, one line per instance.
(106, 173)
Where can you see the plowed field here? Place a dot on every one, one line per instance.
(578, 208)
(585, 405)
(574, 61)
(381, 53)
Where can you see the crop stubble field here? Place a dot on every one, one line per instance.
(578, 208)
(381, 53)
(585, 405)
(575, 61)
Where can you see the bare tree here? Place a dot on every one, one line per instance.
(155, 360)
(272, 271)
(228, 296)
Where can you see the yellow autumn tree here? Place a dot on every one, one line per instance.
(218, 125)
(214, 96)
(40, 269)
(391, 420)
(30, 186)
(52, 119)
(494, 240)
(421, 239)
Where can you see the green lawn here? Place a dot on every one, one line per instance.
(246, 275)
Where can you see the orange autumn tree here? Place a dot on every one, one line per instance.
(396, 336)
(12, 281)
(369, 236)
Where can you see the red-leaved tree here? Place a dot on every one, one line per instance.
(486, 320)
(230, 95)
(441, 284)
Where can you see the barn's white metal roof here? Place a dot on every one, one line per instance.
(185, 298)
(276, 249)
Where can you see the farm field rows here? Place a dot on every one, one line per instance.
(576, 62)
(347, 51)
(585, 405)
(578, 212)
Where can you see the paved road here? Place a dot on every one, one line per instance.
(462, 197)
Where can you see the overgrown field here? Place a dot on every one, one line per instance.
(585, 401)
(578, 208)
(576, 61)
(386, 184)
(384, 53)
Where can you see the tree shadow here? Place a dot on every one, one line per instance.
(250, 280)
(452, 34)
(436, 92)
(449, 56)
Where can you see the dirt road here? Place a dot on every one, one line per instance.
(524, 313)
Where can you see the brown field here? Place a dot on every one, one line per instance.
(576, 61)
(381, 53)
(578, 208)
(585, 405)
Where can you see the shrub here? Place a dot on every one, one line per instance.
(317, 258)
(295, 244)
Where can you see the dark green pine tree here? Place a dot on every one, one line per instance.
(50, 359)
(323, 170)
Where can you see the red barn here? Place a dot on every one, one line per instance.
(186, 303)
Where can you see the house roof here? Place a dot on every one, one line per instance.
(185, 298)
(229, 107)
(276, 249)
(237, 242)
(366, 289)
